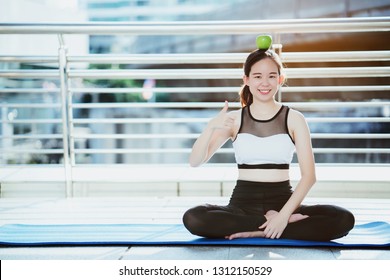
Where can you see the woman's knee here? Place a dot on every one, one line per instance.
(347, 219)
(338, 220)
(192, 219)
(342, 221)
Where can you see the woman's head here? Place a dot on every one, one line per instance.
(246, 96)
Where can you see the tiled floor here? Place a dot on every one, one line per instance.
(165, 210)
(189, 253)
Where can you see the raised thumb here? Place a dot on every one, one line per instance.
(225, 107)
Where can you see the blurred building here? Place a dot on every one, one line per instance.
(198, 10)
(144, 10)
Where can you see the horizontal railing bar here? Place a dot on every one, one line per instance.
(188, 136)
(347, 119)
(30, 151)
(203, 120)
(29, 73)
(141, 120)
(335, 88)
(337, 72)
(136, 136)
(32, 136)
(182, 58)
(195, 135)
(157, 90)
(33, 121)
(218, 58)
(225, 150)
(220, 104)
(283, 26)
(350, 135)
(337, 104)
(285, 89)
(351, 151)
(207, 58)
(30, 105)
(134, 151)
(335, 56)
(153, 105)
(157, 74)
(28, 59)
(227, 73)
(29, 90)
(182, 150)
(186, 120)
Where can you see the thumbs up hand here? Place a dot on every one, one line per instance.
(223, 120)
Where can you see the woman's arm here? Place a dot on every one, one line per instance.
(300, 133)
(217, 132)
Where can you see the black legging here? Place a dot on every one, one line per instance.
(249, 203)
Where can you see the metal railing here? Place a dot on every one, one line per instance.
(125, 116)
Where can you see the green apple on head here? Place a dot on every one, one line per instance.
(263, 42)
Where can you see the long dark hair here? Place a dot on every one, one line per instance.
(246, 97)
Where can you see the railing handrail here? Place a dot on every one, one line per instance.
(217, 105)
(190, 136)
(193, 89)
(226, 73)
(284, 26)
(204, 58)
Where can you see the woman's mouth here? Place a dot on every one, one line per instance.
(264, 91)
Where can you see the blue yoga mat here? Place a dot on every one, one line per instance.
(374, 234)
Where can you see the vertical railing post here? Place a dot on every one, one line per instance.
(278, 40)
(70, 118)
(62, 52)
(7, 131)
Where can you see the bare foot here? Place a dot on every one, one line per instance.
(247, 234)
(293, 218)
(297, 217)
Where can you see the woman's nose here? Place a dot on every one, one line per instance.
(264, 81)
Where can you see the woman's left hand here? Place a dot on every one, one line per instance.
(274, 221)
(274, 226)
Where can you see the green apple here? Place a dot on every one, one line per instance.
(263, 42)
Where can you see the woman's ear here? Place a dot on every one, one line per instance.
(245, 79)
(281, 79)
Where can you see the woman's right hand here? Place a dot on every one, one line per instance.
(219, 129)
(223, 120)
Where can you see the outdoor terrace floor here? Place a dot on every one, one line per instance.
(165, 210)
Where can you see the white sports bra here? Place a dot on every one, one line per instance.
(264, 144)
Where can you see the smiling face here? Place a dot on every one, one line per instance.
(264, 80)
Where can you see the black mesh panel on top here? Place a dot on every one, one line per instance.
(264, 128)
